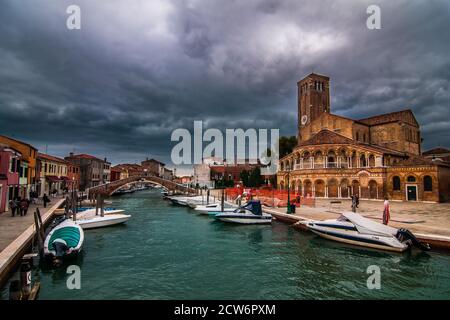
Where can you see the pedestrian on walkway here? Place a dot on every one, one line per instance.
(45, 200)
(13, 207)
(24, 205)
(353, 203)
(386, 211)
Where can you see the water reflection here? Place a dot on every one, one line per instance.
(172, 253)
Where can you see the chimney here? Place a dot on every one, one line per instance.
(71, 154)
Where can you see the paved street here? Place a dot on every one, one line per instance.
(430, 218)
(12, 227)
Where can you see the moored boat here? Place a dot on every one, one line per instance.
(352, 228)
(186, 200)
(101, 222)
(63, 241)
(212, 207)
(91, 213)
(250, 213)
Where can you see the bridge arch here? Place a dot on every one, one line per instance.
(109, 188)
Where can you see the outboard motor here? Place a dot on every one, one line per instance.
(404, 235)
(254, 206)
(60, 248)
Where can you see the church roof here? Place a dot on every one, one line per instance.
(329, 137)
(402, 115)
(436, 151)
(418, 161)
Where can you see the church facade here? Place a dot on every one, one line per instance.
(374, 158)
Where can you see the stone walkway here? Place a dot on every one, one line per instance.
(419, 217)
(12, 227)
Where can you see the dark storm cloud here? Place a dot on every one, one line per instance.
(139, 69)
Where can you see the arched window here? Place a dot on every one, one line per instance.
(411, 179)
(427, 183)
(396, 183)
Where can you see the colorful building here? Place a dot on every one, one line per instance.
(126, 170)
(73, 175)
(9, 175)
(93, 171)
(53, 174)
(27, 165)
(185, 180)
(153, 167)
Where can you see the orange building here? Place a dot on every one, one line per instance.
(27, 165)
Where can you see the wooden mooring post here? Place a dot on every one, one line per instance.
(39, 231)
(222, 201)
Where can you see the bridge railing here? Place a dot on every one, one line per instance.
(110, 187)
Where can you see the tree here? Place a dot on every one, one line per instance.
(252, 178)
(286, 145)
(244, 177)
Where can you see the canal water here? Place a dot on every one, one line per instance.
(170, 252)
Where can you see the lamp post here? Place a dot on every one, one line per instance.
(288, 189)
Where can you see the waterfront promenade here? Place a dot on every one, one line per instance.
(17, 232)
(429, 221)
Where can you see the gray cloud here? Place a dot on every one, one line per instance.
(139, 69)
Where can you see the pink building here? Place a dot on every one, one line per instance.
(9, 175)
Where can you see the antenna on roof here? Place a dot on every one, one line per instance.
(46, 149)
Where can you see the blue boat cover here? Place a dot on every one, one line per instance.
(254, 206)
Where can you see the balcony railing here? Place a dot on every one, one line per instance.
(341, 163)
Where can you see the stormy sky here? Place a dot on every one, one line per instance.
(139, 69)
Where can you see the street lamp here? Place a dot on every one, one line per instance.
(288, 170)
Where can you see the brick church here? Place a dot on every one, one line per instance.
(374, 157)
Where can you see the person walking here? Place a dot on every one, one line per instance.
(13, 207)
(24, 205)
(45, 200)
(386, 211)
(353, 203)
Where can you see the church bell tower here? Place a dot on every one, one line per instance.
(313, 99)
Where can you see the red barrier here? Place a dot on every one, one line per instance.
(269, 197)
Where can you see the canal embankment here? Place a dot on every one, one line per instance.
(17, 234)
(430, 222)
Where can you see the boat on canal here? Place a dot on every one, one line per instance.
(352, 228)
(91, 212)
(186, 200)
(102, 222)
(212, 207)
(64, 241)
(250, 213)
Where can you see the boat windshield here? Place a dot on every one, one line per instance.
(342, 218)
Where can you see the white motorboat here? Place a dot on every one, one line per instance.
(101, 222)
(212, 207)
(250, 213)
(352, 228)
(90, 213)
(184, 200)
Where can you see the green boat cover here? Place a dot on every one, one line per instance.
(69, 234)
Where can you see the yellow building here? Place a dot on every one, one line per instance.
(27, 165)
(53, 174)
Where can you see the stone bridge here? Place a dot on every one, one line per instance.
(109, 188)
